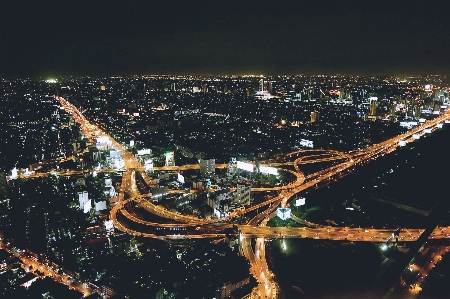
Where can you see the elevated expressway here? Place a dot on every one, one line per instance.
(287, 192)
(256, 228)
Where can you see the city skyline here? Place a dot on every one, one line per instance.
(156, 186)
(189, 37)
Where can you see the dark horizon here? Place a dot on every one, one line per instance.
(223, 38)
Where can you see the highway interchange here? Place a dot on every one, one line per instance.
(256, 227)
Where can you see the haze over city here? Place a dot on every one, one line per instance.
(222, 149)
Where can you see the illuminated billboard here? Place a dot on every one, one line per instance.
(180, 178)
(131, 142)
(439, 125)
(427, 131)
(427, 111)
(436, 112)
(244, 166)
(402, 143)
(428, 87)
(306, 143)
(447, 121)
(101, 205)
(268, 170)
(284, 213)
(422, 120)
(416, 136)
(300, 201)
(103, 139)
(144, 152)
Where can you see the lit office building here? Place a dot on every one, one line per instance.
(314, 116)
(207, 166)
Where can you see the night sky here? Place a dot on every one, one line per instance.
(224, 37)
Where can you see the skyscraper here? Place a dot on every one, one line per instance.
(341, 93)
(207, 166)
(373, 106)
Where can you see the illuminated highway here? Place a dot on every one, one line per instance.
(266, 288)
(339, 233)
(288, 191)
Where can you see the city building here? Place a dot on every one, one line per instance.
(314, 116)
(242, 194)
(373, 104)
(170, 159)
(207, 166)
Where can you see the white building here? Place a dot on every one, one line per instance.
(170, 159)
(108, 182)
(148, 165)
(115, 153)
(101, 205)
(223, 201)
(83, 198)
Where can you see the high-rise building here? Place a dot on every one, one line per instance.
(418, 111)
(83, 198)
(261, 84)
(392, 109)
(314, 116)
(362, 94)
(373, 102)
(170, 159)
(207, 166)
(341, 93)
(242, 194)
